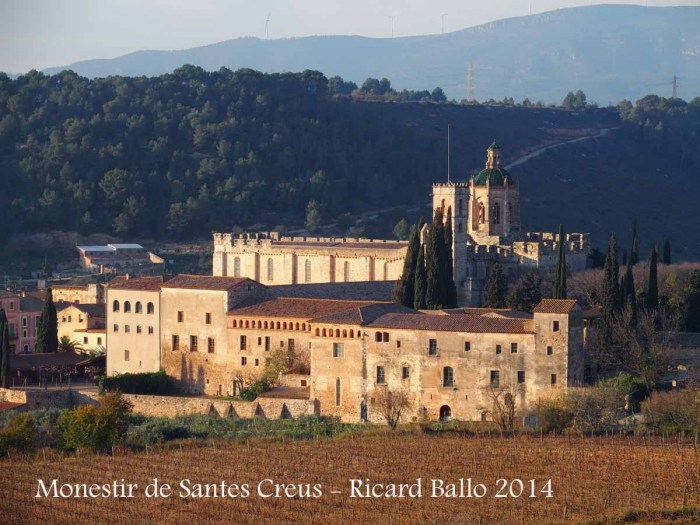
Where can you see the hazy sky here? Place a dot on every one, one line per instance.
(35, 34)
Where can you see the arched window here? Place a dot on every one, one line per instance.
(236, 266)
(482, 213)
(442, 208)
(115, 306)
(278, 325)
(345, 333)
(352, 333)
(460, 207)
(259, 324)
(337, 391)
(318, 332)
(127, 306)
(497, 213)
(247, 324)
(346, 271)
(386, 271)
(448, 378)
(446, 413)
(270, 269)
(150, 308)
(296, 327)
(137, 307)
(307, 271)
(235, 324)
(265, 325)
(303, 327)
(324, 332)
(284, 326)
(337, 332)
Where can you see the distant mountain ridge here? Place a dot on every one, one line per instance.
(611, 52)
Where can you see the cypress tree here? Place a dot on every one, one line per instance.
(404, 291)
(495, 290)
(421, 281)
(634, 252)
(610, 294)
(630, 293)
(527, 294)
(624, 257)
(666, 258)
(5, 377)
(652, 299)
(560, 278)
(450, 300)
(434, 263)
(47, 330)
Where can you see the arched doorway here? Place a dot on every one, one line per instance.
(445, 413)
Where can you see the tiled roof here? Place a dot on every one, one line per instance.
(349, 245)
(452, 323)
(294, 307)
(93, 310)
(350, 291)
(555, 306)
(29, 361)
(137, 283)
(204, 282)
(30, 304)
(4, 294)
(364, 315)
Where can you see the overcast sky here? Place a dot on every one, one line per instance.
(35, 34)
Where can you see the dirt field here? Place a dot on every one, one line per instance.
(597, 480)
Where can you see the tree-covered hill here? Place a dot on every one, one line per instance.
(182, 154)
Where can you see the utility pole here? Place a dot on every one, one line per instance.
(442, 22)
(470, 82)
(530, 6)
(391, 21)
(675, 86)
(267, 27)
(448, 153)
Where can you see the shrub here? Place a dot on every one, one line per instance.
(90, 428)
(595, 409)
(253, 390)
(553, 415)
(673, 412)
(19, 434)
(155, 383)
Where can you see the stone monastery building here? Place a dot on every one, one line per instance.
(485, 224)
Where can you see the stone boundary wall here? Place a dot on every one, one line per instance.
(163, 406)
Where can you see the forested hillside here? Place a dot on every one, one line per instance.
(180, 155)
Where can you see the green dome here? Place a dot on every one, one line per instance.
(494, 176)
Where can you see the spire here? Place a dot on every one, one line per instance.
(493, 155)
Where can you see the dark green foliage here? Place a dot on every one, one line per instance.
(560, 276)
(610, 294)
(624, 257)
(252, 391)
(691, 308)
(634, 253)
(421, 283)
(495, 290)
(652, 297)
(666, 258)
(404, 291)
(450, 291)
(5, 372)
(47, 330)
(526, 294)
(402, 230)
(154, 383)
(19, 434)
(435, 263)
(574, 100)
(629, 294)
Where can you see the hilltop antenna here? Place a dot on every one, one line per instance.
(530, 7)
(267, 27)
(391, 22)
(674, 82)
(448, 153)
(470, 81)
(442, 22)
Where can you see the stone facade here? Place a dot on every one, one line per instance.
(486, 229)
(87, 294)
(84, 324)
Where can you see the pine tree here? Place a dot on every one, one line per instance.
(560, 278)
(527, 294)
(450, 299)
(5, 376)
(404, 291)
(421, 283)
(652, 298)
(634, 253)
(434, 264)
(495, 290)
(666, 258)
(47, 330)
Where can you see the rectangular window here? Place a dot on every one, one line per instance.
(126, 355)
(499, 349)
(521, 377)
(467, 346)
(193, 343)
(338, 349)
(448, 377)
(381, 378)
(99, 340)
(554, 379)
(405, 372)
(495, 379)
(432, 347)
(207, 318)
(115, 328)
(24, 321)
(24, 333)
(12, 305)
(244, 361)
(257, 361)
(267, 343)
(243, 342)
(138, 329)
(180, 317)
(385, 337)
(290, 345)
(259, 341)
(127, 329)
(550, 351)
(176, 342)
(514, 348)
(378, 337)
(281, 344)
(398, 344)
(70, 318)
(210, 345)
(85, 340)
(555, 326)
(150, 329)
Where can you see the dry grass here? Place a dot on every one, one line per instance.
(599, 480)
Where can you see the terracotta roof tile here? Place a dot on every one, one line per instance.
(453, 323)
(137, 283)
(555, 306)
(364, 315)
(294, 307)
(204, 282)
(346, 291)
(93, 310)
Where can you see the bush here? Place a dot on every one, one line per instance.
(595, 409)
(90, 428)
(253, 390)
(673, 412)
(553, 415)
(155, 383)
(19, 434)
